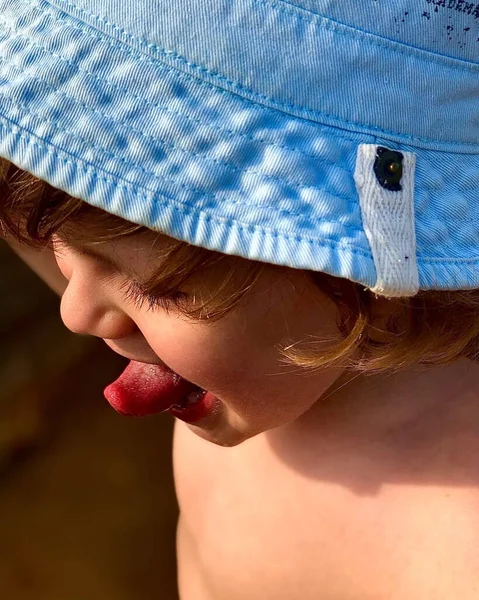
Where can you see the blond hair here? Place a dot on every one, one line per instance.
(374, 334)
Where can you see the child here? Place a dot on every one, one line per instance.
(271, 208)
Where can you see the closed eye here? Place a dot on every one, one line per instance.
(139, 296)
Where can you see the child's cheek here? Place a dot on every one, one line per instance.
(239, 365)
(220, 358)
(189, 349)
(214, 356)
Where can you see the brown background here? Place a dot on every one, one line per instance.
(87, 507)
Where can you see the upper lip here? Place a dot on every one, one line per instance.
(134, 356)
(142, 359)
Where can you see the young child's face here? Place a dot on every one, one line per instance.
(236, 358)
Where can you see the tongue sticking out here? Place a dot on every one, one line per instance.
(144, 389)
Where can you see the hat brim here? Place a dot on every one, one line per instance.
(162, 148)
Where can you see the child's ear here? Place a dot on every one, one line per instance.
(43, 263)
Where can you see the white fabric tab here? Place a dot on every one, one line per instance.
(388, 221)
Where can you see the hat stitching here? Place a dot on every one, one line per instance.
(203, 215)
(148, 137)
(349, 31)
(318, 127)
(44, 119)
(318, 20)
(173, 202)
(153, 138)
(201, 192)
(129, 52)
(432, 259)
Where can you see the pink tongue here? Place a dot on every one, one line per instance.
(144, 389)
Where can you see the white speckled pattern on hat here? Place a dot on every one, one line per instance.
(236, 124)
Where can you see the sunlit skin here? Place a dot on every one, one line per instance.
(237, 358)
(350, 487)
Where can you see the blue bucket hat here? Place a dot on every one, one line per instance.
(333, 136)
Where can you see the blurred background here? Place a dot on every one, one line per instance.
(87, 505)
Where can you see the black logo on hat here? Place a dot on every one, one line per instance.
(470, 8)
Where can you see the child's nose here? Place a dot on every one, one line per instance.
(88, 309)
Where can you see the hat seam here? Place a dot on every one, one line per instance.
(172, 202)
(129, 51)
(158, 177)
(184, 151)
(137, 166)
(298, 185)
(351, 31)
(182, 75)
(432, 259)
(324, 23)
(153, 138)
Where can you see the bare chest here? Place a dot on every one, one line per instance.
(252, 526)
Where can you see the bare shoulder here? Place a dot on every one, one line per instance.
(372, 495)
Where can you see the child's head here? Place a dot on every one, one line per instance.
(290, 189)
(268, 341)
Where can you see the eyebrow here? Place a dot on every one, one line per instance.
(155, 284)
(85, 249)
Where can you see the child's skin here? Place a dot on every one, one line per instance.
(349, 488)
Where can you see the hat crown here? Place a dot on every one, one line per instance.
(448, 27)
(397, 67)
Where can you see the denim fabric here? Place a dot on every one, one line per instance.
(235, 124)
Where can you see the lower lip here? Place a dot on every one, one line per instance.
(196, 412)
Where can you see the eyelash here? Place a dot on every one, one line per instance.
(136, 294)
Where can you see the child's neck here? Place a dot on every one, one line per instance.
(385, 400)
(417, 427)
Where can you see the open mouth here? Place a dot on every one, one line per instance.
(145, 389)
(198, 405)
(189, 399)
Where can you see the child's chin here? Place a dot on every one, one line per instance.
(224, 427)
(222, 434)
